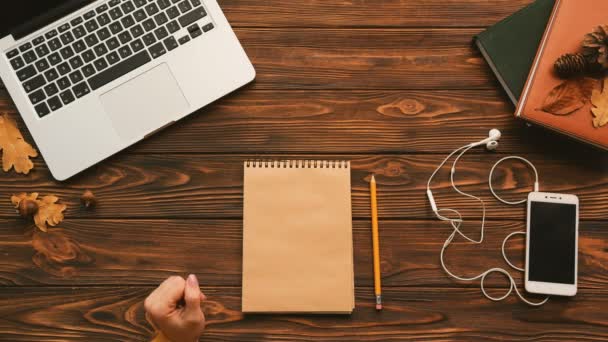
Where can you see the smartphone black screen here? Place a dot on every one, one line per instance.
(552, 242)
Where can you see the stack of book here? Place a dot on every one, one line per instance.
(522, 50)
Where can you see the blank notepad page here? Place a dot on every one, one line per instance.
(297, 237)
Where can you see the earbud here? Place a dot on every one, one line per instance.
(491, 141)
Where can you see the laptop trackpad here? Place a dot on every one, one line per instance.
(145, 103)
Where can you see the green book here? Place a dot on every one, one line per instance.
(510, 46)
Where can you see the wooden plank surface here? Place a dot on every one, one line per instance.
(361, 13)
(392, 85)
(145, 252)
(211, 186)
(412, 314)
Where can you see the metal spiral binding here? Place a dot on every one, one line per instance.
(297, 164)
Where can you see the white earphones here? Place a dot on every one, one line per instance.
(491, 143)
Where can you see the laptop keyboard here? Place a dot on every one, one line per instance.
(92, 50)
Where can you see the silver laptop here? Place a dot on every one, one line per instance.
(91, 78)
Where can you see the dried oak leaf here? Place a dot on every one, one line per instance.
(49, 212)
(16, 152)
(569, 96)
(600, 103)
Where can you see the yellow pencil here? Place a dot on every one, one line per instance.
(376, 243)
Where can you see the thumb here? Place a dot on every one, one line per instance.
(192, 297)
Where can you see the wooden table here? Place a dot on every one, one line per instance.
(393, 86)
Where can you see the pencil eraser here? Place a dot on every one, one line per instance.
(378, 307)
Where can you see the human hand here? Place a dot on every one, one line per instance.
(165, 307)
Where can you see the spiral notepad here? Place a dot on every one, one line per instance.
(297, 237)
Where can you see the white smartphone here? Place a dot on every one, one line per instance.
(552, 244)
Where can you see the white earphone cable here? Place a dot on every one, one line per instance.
(457, 222)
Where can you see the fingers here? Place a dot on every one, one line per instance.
(163, 300)
(193, 298)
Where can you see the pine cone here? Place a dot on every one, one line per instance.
(595, 46)
(569, 65)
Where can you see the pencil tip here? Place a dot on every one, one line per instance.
(373, 178)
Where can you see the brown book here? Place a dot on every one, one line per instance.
(569, 22)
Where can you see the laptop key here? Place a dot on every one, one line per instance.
(173, 26)
(195, 3)
(37, 96)
(101, 8)
(25, 47)
(149, 39)
(208, 27)
(171, 43)
(76, 21)
(173, 12)
(163, 4)
(29, 56)
(115, 13)
(50, 34)
(54, 103)
(120, 69)
(63, 68)
(157, 50)
(125, 51)
(115, 27)
(101, 64)
(151, 9)
(113, 43)
(89, 15)
(63, 27)
(91, 25)
(88, 56)
(76, 77)
(100, 50)
(104, 33)
(51, 89)
(26, 73)
(103, 19)
(67, 97)
(54, 44)
(42, 65)
(54, 58)
(137, 45)
(88, 70)
(192, 16)
(51, 75)
(12, 53)
(124, 37)
(161, 19)
(42, 50)
(34, 83)
(17, 63)
(184, 6)
(63, 83)
(139, 3)
(91, 40)
(76, 62)
(42, 110)
(127, 7)
(66, 52)
(114, 3)
(79, 32)
(161, 33)
(137, 31)
(140, 15)
(183, 40)
(38, 40)
(67, 38)
(79, 46)
(113, 58)
(149, 25)
(127, 21)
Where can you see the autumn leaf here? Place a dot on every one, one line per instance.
(49, 212)
(600, 103)
(569, 96)
(16, 152)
